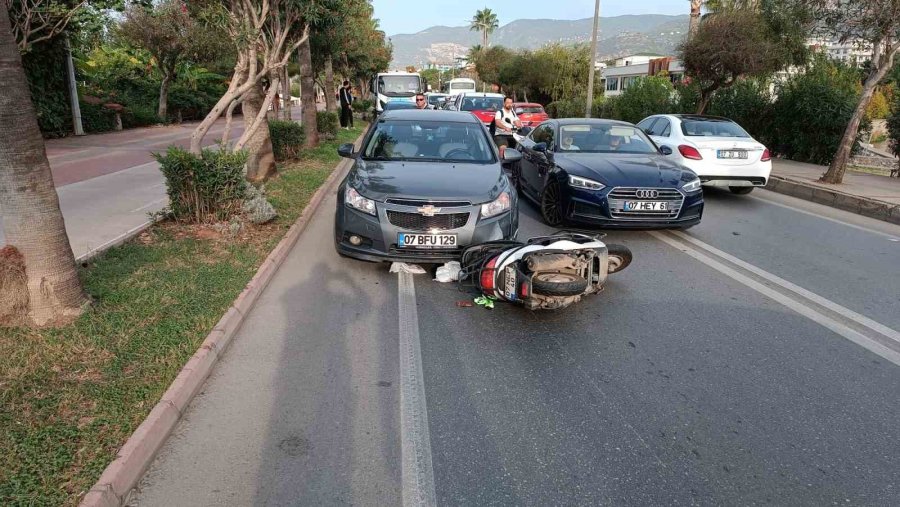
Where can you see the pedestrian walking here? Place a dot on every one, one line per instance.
(346, 99)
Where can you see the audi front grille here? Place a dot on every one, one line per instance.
(620, 195)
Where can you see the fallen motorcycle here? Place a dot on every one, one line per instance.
(548, 272)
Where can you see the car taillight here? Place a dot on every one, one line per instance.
(766, 156)
(487, 275)
(689, 152)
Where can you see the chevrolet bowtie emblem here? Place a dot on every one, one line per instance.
(428, 210)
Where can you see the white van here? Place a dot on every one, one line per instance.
(460, 85)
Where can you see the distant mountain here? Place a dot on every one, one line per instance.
(619, 36)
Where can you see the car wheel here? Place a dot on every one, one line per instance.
(515, 174)
(619, 257)
(558, 284)
(740, 190)
(550, 204)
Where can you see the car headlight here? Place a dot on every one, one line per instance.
(691, 186)
(495, 207)
(356, 201)
(579, 182)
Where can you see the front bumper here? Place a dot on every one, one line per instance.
(379, 235)
(593, 208)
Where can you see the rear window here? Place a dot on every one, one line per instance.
(429, 141)
(482, 104)
(462, 86)
(712, 128)
(529, 109)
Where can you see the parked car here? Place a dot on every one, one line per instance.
(530, 113)
(425, 185)
(721, 152)
(482, 105)
(606, 173)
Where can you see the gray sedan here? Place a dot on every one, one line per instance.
(425, 185)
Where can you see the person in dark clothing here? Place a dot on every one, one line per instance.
(346, 99)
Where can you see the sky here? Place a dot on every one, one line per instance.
(411, 16)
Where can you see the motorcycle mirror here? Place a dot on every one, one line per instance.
(511, 155)
(665, 150)
(345, 150)
(541, 147)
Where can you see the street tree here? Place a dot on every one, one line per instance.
(35, 21)
(696, 8)
(32, 220)
(169, 33)
(490, 61)
(873, 24)
(484, 21)
(732, 44)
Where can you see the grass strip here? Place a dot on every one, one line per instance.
(69, 398)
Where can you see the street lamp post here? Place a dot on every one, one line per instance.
(590, 88)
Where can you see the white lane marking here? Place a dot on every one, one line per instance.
(415, 440)
(892, 237)
(151, 203)
(815, 298)
(804, 310)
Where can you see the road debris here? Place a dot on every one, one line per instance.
(449, 272)
(402, 267)
(485, 301)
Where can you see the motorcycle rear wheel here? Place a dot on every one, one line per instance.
(619, 257)
(558, 284)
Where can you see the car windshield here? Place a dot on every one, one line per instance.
(529, 109)
(429, 141)
(712, 128)
(482, 104)
(398, 86)
(435, 100)
(604, 139)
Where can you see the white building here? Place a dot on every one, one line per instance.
(850, 52)
(628, 69)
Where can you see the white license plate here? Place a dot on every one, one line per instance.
(407, 240)
(646, 206)
(731, 154)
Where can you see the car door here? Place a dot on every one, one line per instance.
(538, 163)
(661, 133)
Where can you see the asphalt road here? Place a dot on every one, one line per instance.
(751, 360)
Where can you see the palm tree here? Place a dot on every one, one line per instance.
(696, 6)
(474, 53)
(484, 21)
(31, 217)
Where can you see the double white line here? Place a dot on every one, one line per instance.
(857, 328)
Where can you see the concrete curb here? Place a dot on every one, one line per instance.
(865, 206)
(134, 458)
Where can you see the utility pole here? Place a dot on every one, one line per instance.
(73, 91)
(590, 88)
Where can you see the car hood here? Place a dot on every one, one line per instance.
(625, 170)
(379, 180)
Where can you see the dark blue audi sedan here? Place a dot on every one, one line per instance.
(605, 173)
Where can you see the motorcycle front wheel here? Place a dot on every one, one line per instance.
(619, 257)
(558, 284)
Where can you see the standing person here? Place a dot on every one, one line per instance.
(504, 121)
(352, 100)
(346, 99)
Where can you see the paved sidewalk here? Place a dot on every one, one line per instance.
(108, 183)
(866, 194)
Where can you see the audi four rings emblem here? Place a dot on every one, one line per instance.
(647, 194)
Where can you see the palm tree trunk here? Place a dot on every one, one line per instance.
(32, 220)
(308, 95)
(696, 5)
(330, 103)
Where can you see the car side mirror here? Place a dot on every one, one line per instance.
(525, 131)
(541, 147)
(665, 150)
(511, 155)
(346, 150)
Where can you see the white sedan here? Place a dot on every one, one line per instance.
(717, 149)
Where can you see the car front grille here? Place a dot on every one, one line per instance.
(619, 195)
(419, 222)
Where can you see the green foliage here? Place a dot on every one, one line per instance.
(287, 139)
(45, 68)
(327, 123)
(750, 104)
(642, 98)
(206, 188)
(572, 108)
(490, 61)
(813, 110)
(879, 107)
(95, 118)
(361, 105)
(893, 126)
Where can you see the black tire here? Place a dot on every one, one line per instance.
(550, 206)
(740, 190)
(515, 176)
(558, 284)
(619, 257)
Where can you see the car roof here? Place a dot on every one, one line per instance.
(481, 94)
(429, 115)
(591, 121)
(705, 117)
(528, 104)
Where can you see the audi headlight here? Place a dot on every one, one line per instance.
(579, 182)
(495, 207)
(691, 186)
(356, 201)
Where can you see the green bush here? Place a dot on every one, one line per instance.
(327, 123)
(362, 105)
(140, 116)
(813, 109)
(96, 118)
(893, 126)
(748, 103)
(287, 139)
(45, 68)
(570, 108)
(643, 97)
(206, 188)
